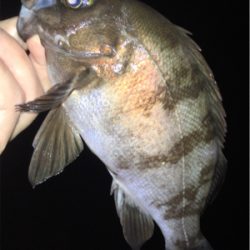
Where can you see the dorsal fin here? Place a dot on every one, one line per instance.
(216, 113)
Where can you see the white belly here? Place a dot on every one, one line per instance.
(116, 136)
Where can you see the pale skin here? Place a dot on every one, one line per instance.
(23, 77)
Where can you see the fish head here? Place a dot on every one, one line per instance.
(71, 31)
(67, 26)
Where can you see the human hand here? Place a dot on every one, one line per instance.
(23, 77)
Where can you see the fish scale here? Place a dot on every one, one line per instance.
(136, 89)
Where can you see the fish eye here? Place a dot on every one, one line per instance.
(76, 4)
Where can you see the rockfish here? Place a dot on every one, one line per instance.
(135, 88)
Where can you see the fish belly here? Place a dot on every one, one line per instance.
(163, 160)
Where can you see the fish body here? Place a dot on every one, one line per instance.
(138, 92)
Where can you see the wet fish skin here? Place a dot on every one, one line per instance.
(139, 93)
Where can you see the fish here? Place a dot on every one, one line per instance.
(135, 88)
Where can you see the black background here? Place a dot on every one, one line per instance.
(75, 210)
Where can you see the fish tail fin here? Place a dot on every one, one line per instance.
(203, 245)
(198, 242)
(136, 248)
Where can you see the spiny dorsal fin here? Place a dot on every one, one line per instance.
(56, 144)
(137, 226)
(214, 98)
(217, 113)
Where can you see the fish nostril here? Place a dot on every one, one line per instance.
(28, 3)
(60, 41)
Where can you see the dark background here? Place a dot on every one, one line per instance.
(75, 210)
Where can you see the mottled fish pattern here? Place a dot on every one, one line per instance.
(138, 92)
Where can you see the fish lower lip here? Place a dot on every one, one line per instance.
(24, 28)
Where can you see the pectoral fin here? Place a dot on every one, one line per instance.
(52, 99)
(58, 93)
(56, 144)
(137, 226)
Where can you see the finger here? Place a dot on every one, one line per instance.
(37, 53)
(20, 66)
(37, 56)
(9, 25)
(23, 71)
(10, 95)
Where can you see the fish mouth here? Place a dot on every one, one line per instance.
(29, 24)
(27, 16)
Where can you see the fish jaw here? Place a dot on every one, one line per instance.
(26, 16)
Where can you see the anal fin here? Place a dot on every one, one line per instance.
(56, 144)
(137, 226)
